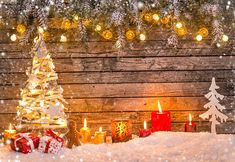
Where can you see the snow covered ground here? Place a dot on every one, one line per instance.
(161, 146)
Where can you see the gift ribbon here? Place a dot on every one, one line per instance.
(53, 135)
(27, 137)
(47, 145)
(50, 133)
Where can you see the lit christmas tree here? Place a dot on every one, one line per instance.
(41, 99)
(215, 108)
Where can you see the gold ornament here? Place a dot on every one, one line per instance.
(107, 34)
(20, 28)
(130, 34)
(203, 32)
(66, 24)
(148, 17)
(181, 31)
(165, 20)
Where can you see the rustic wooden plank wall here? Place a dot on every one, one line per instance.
(102, 84)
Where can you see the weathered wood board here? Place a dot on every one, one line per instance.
(102, 83)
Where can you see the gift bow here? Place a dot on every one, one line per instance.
(54, 135)
(27, 137)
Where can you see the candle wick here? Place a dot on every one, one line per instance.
(190, 123)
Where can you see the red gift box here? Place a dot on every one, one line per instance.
(51, 143)
(25, 142)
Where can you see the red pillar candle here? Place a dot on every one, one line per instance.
(190, 126)
(145, 132)
(161, 120)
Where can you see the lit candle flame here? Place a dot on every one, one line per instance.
(85, 123)
(190, 119)
(10, 127)
(100, 129)
(159, 107)
(145, 125)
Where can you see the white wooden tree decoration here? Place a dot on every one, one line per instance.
(214, 107)
(41, 98)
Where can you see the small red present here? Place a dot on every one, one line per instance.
(25, 142)
(51, 143)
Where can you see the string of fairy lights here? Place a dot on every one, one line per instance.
(125, 21)
(107, 34)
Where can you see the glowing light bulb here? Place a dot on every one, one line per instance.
(35, 39)
(142, 37)
(179, 25)
(140, 5)
(41, 103)
(198, 37)
(63, 38)
(218, 45)
(98, 28)
(13, 37)
(156, 17)
(40, 29)
(34, 84)
(225, 38)
(76, 17)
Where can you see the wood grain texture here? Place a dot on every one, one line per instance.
(128, 104)
(127, 77)
(145, 52)
(128, 90)
(126, 64)
(102, 83)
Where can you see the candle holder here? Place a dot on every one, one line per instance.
(121, 130)
(8, 134)
(86, 133)
(161, 120)
(100, 136)
(144, 132)
(190, 127)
